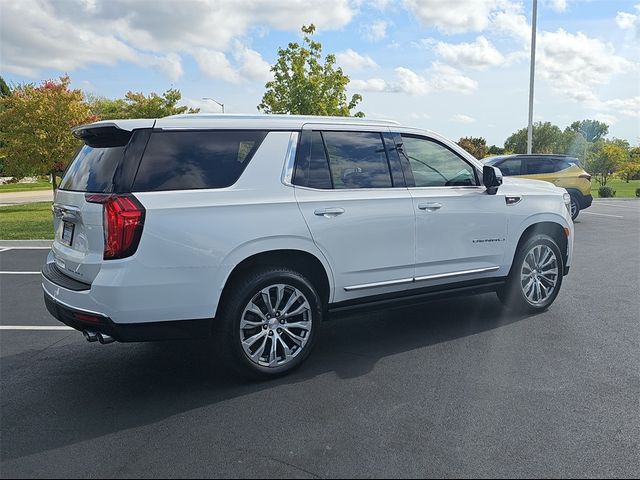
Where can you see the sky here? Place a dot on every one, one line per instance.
(458, 67)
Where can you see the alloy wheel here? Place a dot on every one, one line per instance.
(275, 325)
(539, 274)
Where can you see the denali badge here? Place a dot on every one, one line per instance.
(489, 240)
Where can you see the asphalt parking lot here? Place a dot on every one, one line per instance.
(456, 388)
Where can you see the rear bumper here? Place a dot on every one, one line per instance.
(82, 318)
(586, 201)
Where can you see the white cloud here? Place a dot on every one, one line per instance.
(629, 107)
(606, 118)
(170, 65)
(574, 64)
(215, 64)
(512, 24)
(455, 16)
(465, 119)
(629, 21)
(371, 85)
(375, 31)
(248, 64)
(447, 78)
(67, 35)
(352, 60)
(441, 78)
(479, 54)
(559, 5)
(409, 82)
(251, 65)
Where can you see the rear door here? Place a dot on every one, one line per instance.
(357, 208)
(106, 163)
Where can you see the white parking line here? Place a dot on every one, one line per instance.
(602, 214)
(4, 249)
(20, 273)
(34, 327)
(614, 205)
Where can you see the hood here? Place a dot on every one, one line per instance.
(524, 185)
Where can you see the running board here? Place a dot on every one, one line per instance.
(417, 296)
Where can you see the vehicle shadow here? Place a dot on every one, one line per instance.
(76, 391)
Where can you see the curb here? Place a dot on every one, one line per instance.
(25, 243)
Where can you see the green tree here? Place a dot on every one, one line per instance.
(35, 127)
(138, 105)
(5, 91)
(591, 130)
(476, 146)
(303, 85)
(606, 159)
(630, 168)
(495, 150)
(547, 138)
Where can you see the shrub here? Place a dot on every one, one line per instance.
(606, 192)
(637, 192)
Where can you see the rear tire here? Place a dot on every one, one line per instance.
(268, 323)
(575, 207)
(535, 277)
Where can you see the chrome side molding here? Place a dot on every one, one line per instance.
(437, 276)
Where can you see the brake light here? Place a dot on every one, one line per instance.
(123, 220)
(586, 175)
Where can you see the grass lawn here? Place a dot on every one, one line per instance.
(24, 187)
(622, 188)
(31, 221)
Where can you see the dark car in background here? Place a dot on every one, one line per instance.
(561, 170)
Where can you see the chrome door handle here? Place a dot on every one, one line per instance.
(431, 207)
(329, 212)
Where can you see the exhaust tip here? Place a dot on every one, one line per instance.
(90, 336)
(105, 339)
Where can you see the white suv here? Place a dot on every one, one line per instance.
(253, 229)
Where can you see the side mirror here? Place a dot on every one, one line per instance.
(491, 178)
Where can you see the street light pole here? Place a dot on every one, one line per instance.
(215, 101)
(534, 21)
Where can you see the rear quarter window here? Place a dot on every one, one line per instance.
(92, 169)
(185, 160)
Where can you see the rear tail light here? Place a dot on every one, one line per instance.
(123, 220)
(586, 176)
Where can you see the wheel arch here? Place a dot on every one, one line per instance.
(301, 260)
(553, 229)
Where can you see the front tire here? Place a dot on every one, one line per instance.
(268, 323)
(535, 277)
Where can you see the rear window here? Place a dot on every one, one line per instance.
(92, 169)
(185, 160)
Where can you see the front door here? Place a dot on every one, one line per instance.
(461, 231)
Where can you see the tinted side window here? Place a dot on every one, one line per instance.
(312, 166)
(510, 166)
(539, 166)
(184, 160)
(434, 165)
(357, 160)
(562, 164)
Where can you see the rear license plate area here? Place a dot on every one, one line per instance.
(67, 233)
